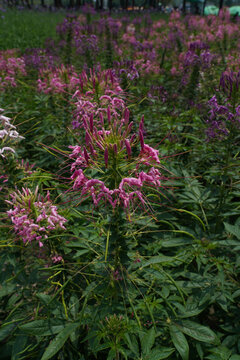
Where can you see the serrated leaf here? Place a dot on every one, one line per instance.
(58, 341)
(197, 331)
(132, 343)
(180, 342)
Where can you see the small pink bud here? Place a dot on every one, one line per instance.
(119, 130)
(115, 148)
(126, 115)
(141, 123)
(106, 157)
(132, 138)
(99, 145)
(129, 128)
(141, 139)
(101, 119)
(109, 115)
(86, 155)
(87, 138)
(128, 148)
(91, 123)
(91, 149)
(111, 76)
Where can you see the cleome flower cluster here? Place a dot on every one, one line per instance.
(33, 216)
(111, 151)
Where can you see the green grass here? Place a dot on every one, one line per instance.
(27, 29)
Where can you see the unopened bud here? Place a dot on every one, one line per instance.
(141, 123)
(128, 148)
(141, 139)
(87, 138)
(126, 115)
(109, 115)
(115, 148)
(106, 157)
(86, 155)
(91, 123)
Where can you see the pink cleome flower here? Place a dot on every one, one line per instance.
(34, 217)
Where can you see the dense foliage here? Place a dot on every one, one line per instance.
(119, 188)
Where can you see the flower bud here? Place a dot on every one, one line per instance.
(86, 155)
(141, 123)
(115, 148)
(106, 157)
(109, 115)
(91, 123)
(87, 138)
(128, 148)
(141, 139)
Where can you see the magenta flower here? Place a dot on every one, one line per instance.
(33, 216)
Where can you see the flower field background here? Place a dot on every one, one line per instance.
(119, 186)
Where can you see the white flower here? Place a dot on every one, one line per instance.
(6, 149)
(3, 133)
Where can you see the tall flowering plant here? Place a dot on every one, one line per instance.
(114, 170)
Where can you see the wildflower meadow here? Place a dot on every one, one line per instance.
(119, 185)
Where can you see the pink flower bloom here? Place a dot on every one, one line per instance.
(27, 224)
(148, 154)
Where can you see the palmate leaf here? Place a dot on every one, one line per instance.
(233, 229)
(59, 341)
(180, 342)
(197, 331)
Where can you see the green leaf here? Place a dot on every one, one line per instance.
(220, 353)
(18, 346)
(7, 290)
(5, 330)
(147, 340)
(180, 342)
(197, 331)
(159, 353)
(132, 343)
(235, 357)
(59, 341)
(43, 327)
(233, 229)
(158, 260)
